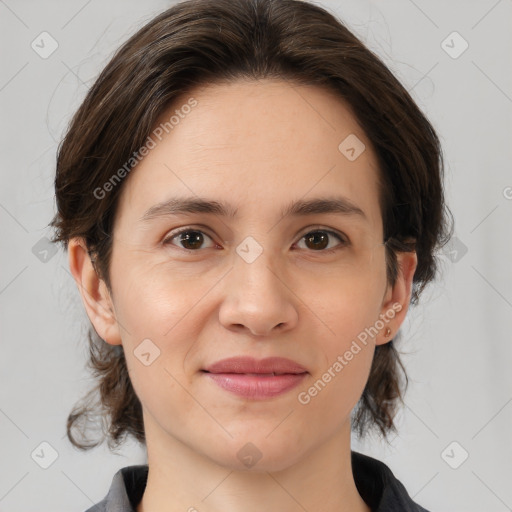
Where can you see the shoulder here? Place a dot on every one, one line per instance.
(125, 491)
(379, 487)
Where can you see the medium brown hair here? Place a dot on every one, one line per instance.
(199, 42)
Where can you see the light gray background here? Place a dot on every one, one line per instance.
(458, 339)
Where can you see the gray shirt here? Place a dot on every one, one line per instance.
(374, 480)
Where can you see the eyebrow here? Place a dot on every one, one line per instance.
(189, 205)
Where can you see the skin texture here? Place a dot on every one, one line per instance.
(258, 146)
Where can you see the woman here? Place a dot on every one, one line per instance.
(250, 201)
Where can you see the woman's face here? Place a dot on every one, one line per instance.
(257, 280)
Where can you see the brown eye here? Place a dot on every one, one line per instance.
(190, 239)
(319, 240)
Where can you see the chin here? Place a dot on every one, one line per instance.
(255, 454)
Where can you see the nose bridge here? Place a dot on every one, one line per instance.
(255, 265)
(256, 296)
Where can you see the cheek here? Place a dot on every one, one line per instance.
(345, 302)
(154, 299)
(346, 352)
(161, 322)
(348, 308)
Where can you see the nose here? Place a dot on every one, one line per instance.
(258, 298)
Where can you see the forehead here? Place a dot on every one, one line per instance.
(256, 145)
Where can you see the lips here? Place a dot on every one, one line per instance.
(256, 379)
(252, 366)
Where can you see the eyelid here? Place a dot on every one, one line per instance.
(319, 227)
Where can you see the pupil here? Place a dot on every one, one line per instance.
(193, 238)
(314, 237)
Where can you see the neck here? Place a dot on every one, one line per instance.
(180, 479)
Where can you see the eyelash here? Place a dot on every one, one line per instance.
(343, 239)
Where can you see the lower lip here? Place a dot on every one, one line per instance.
(256, 387)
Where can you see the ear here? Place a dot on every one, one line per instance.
(95, 295)
(397, 298)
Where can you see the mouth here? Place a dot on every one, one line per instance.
(257, 386)
(250, 365)
(273, 374)
(256, 379)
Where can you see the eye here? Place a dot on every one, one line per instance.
(192, 239)
(318, 240)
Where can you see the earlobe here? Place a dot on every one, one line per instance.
(397, 299)
(94, 292)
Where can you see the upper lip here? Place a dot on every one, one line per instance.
(247, 364)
